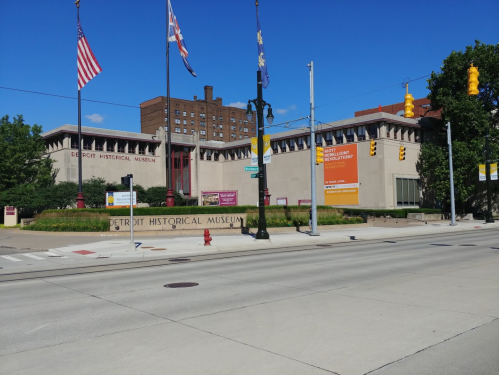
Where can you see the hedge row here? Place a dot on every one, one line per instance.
(185, 210)
(399, 213)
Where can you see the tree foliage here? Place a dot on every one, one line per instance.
(21, 155)
(470, 117)
(156, 197)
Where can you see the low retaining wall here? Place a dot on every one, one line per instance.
(177, 222)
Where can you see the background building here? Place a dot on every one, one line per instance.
(208, 117)
(422, 108)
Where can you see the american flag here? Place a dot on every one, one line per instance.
(174, 35)
(88, 67)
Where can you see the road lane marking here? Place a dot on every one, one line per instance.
(8, 257)
(33, 256)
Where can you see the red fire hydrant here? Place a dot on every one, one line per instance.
(207, 238)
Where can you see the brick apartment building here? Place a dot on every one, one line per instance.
(422, 108)
(209, 118)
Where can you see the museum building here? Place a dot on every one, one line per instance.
(379, 181)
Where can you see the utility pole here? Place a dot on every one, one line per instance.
(451, 173)
(488, 216)
(312, 151)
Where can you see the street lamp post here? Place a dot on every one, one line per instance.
(260, 104)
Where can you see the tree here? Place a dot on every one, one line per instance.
(470, 117)
(156, 197)
(21, 155)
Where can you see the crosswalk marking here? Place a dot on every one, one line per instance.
(8, 257)
(32, 256)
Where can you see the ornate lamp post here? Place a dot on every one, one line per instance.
(260, 104)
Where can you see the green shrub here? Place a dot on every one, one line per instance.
(78, 222)
(300, 219)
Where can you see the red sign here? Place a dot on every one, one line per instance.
(10, 210)
(219, 198)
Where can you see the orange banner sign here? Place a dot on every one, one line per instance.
(341, 175)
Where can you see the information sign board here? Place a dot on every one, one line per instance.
(120, 199)
(341, 175)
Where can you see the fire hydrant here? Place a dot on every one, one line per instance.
(207, 238)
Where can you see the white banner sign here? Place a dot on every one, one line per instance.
(120, 199)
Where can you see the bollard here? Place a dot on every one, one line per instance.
(207, 238)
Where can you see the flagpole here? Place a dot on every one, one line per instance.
(170, 201)
(80, 199)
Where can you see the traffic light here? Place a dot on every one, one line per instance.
(473, 80)
(373, 148)
(408, 105)
(402, 153)
(319, 155)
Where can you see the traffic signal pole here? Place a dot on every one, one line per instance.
(451, 173)
(312, 152)
(488, 217)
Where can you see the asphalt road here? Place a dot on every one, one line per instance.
(414, 306)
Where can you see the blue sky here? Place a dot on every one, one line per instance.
(357, 47)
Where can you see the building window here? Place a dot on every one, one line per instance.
(291, 144)
(121, 145)
(275, 147)
(192, 114)
(220, 118)
(214, 134)
(245, 137)
(361, 133)
(221, 135)
(142, 148)
(409, 135)
(166, 119)
(245, 121)
(177, 112)
(395, 132)
(245, 130)
(252, 130)
(221, 127)
(87, 143)
(152, 149)
(185, 131)
(407, 192)
(110, 145)
(184, 113)
(307, 140)
(318, 139)
(232, 127)
(192, 131)
(203, 139)
(74, 141)
(177, 130)
(240, 136)
(214, 118)
(192, 122)
(329, 138)
(203, 124)
(283, 145)
(185, 122)
(240, 121)
(214, 126)
(240, 128)
(166, 110)
(233, 119)
(131, 147)
(202, 132)
(339, 137)
(373, 131)
(300, 143)
(208, 154)
(350, 134)
(232, 135)
(99, 144)
(202, 115)
(177, 121)
(402, 131)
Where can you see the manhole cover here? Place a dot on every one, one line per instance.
(181, 285)
(467, 244)
(440, 244)
(324, 245)
(179, 260)
(158, 249)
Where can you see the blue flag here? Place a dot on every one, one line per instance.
(262, 60)
(174, 35)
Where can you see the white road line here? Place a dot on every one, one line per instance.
(33, 256)
(8, 257)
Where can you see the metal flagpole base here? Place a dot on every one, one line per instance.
(314, 234)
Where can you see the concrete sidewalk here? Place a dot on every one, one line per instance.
(119, 247)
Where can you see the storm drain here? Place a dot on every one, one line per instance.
(440, 244)
(390, 241)
(180, 285)
(179, 260)
(468, 244)
(323, 245)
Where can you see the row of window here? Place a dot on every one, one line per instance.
(92, 143)
(203, 115)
